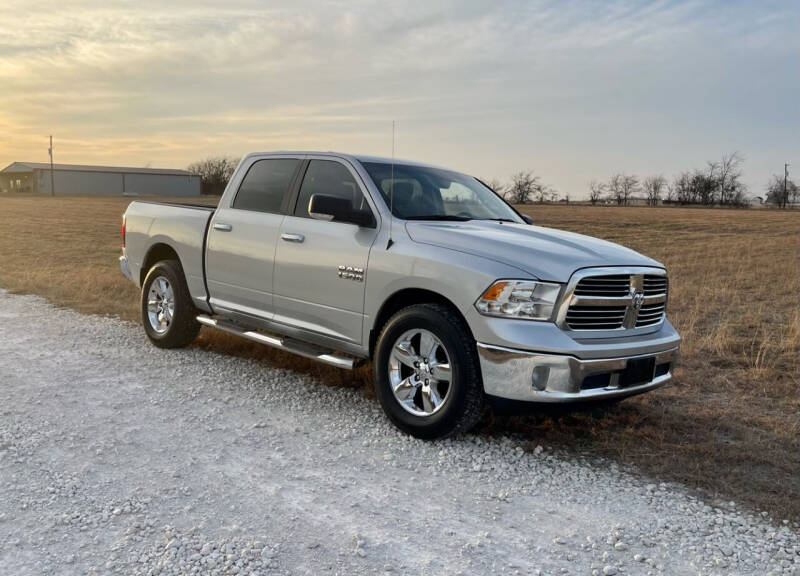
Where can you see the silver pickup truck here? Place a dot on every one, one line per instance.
(454, 296)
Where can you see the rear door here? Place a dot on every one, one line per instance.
(321, 266)
(240, 251)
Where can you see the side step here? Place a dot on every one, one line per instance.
(294, 346)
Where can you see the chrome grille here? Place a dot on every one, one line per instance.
(614, 299)
(650, 314)
(596, 318)
(616, 285)
(654, 284)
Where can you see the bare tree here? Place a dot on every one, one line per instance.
(543, 194)
(728, 176)
(775, 191)
(622, 186)
(523, 186)
(653, 187)
(704, 186)
(671, 192)
(630, 185)
(497, 186)
(596, 191)
(682, 188)
(214, 173)
(615, 188)
(708, 182)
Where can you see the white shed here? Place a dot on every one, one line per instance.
(72, 179)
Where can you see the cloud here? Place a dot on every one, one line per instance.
(607, 86)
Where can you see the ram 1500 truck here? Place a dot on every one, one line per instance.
(454, 296)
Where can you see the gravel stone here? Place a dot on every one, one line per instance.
(120, 458)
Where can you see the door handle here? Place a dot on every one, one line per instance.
(222, 227)
(292, 237)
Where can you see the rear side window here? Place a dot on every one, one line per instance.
(332, 179)
(265, 185)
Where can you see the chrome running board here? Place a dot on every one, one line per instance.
(303, 349)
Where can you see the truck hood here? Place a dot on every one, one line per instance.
(545, 253)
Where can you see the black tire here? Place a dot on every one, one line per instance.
(464, 402)
(182, 328)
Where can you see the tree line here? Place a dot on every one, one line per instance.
(718, 183)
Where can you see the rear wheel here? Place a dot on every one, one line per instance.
(426, 372)
(168, 314)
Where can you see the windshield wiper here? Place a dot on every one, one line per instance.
(500, 220)
(444, 217)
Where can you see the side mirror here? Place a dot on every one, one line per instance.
(337, 209)
(528, 219)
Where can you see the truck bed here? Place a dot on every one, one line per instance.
(152, 226)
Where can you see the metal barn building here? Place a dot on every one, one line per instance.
(71, 179)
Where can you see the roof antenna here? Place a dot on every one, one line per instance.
(391, 195)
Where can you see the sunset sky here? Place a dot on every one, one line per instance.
(571, 90)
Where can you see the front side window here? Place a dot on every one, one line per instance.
(265, 185)
(423, 193)
(331, 179)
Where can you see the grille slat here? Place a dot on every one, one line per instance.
(595, 317)
(605, 286)
(650, 314)
(595, 310)
(654, 284)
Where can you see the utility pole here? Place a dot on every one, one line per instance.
(52, 179)
(785, 180)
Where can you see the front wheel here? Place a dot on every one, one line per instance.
(426, 372)
(168, 314)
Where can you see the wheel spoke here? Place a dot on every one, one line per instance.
(430, 398)
(441, 371)
(160, 304)
(406, 389)
(419, 361)
(405, 354)
(427, 345)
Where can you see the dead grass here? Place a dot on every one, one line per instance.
(729, 425)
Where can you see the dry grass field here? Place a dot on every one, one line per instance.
(729, 424)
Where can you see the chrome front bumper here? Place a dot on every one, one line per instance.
(123, 267)
(533, 377)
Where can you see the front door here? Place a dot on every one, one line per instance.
(242, 236)
(321, 266)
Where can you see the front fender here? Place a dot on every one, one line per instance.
(457, 276)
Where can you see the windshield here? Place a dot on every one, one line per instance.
(422, 193)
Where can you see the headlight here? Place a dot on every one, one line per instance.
(526, 299)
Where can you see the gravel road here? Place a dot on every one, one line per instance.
(119, 458)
